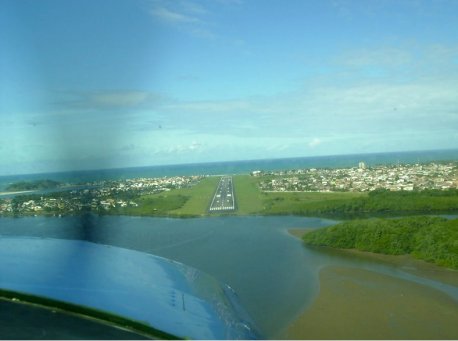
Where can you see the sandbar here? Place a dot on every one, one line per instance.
(17, 192)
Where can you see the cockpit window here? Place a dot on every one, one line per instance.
(221, 169)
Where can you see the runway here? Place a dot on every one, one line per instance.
(223, 199)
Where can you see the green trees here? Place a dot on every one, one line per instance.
(382, 202)
(433, 239)
(33, 185)
(439, 244)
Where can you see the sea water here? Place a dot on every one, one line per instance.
(238, 167)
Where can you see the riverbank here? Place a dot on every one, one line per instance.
(361, 304)
(430, 238)
(355, 303)
(406, 263)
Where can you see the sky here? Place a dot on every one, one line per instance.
(95, 84)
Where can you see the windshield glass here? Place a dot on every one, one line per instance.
(233, 164)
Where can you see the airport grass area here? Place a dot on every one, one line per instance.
(250, 200)
(183, 202)
(154, 205)
(307, 203)
(199, 197)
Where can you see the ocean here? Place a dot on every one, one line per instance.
(238, 167)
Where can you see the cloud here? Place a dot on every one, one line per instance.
(397, 63)
(187, 16)
(180, 149)
(190, 17)
(191, 7)
(388, 56)
(315, 142)
(442, 54)
(188, 78)
(425, 102)
(230, 2)
(349, 10)
(103, 100)
(171, 16)
(209, 106)
(331, 116)
(194, 145)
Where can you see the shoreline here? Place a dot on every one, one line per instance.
(406, 263)
(354, 303)
(15, 192)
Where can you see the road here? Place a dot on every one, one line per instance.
(223, 199)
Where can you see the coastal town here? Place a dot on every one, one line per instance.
(100, 196)
(112, 196)
(407, 177)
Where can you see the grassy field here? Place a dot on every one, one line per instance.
(194, 201)
(249, 198)
(153, 205)
(304, 202)
(199, 197)
(183, 202)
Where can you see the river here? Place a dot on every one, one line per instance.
(275, 276)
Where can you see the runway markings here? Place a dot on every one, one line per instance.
(223, 199)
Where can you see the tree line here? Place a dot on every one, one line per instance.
(384, 202)
(433, 239)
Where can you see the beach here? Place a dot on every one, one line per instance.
(13, 193)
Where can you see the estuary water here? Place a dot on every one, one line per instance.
(274, 275)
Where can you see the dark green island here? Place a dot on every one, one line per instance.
(33, 185)
(433, 239)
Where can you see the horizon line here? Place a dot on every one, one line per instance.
(231, 161)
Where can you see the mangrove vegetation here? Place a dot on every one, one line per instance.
(433, 239)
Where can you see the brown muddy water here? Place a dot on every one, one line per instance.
(355, 303)
(361, 304)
